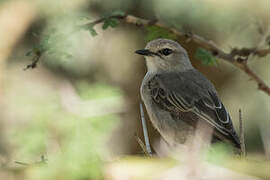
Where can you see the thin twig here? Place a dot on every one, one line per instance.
(242, 137)
(145, 131)
(22, 163)
(35, 60)
(43, 160)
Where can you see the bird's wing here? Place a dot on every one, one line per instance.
(192, 92)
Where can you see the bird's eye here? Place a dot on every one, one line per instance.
(165, 51)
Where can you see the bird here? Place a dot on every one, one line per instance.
(177, 96)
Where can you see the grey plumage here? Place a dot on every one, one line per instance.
(177, 96)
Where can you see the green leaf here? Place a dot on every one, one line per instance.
(113, 22)
(110, 22)
(154, 32)
(206, 57)
(105, 24)
(92, 31)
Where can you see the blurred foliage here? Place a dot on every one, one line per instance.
(81, 141)
(96, 90)
(52, 43)
(228, 17)
(58, 42)
(74, 146)
(82, 150)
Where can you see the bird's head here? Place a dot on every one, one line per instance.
(165, 55)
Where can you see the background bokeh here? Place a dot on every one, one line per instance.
(80, 106)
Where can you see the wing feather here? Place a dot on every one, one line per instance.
(181, 94)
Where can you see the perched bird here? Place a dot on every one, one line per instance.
(177, 96)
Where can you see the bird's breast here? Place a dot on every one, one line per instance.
(168, 126)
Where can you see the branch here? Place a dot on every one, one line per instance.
(237, 57)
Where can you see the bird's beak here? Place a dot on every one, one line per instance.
(144, 52)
